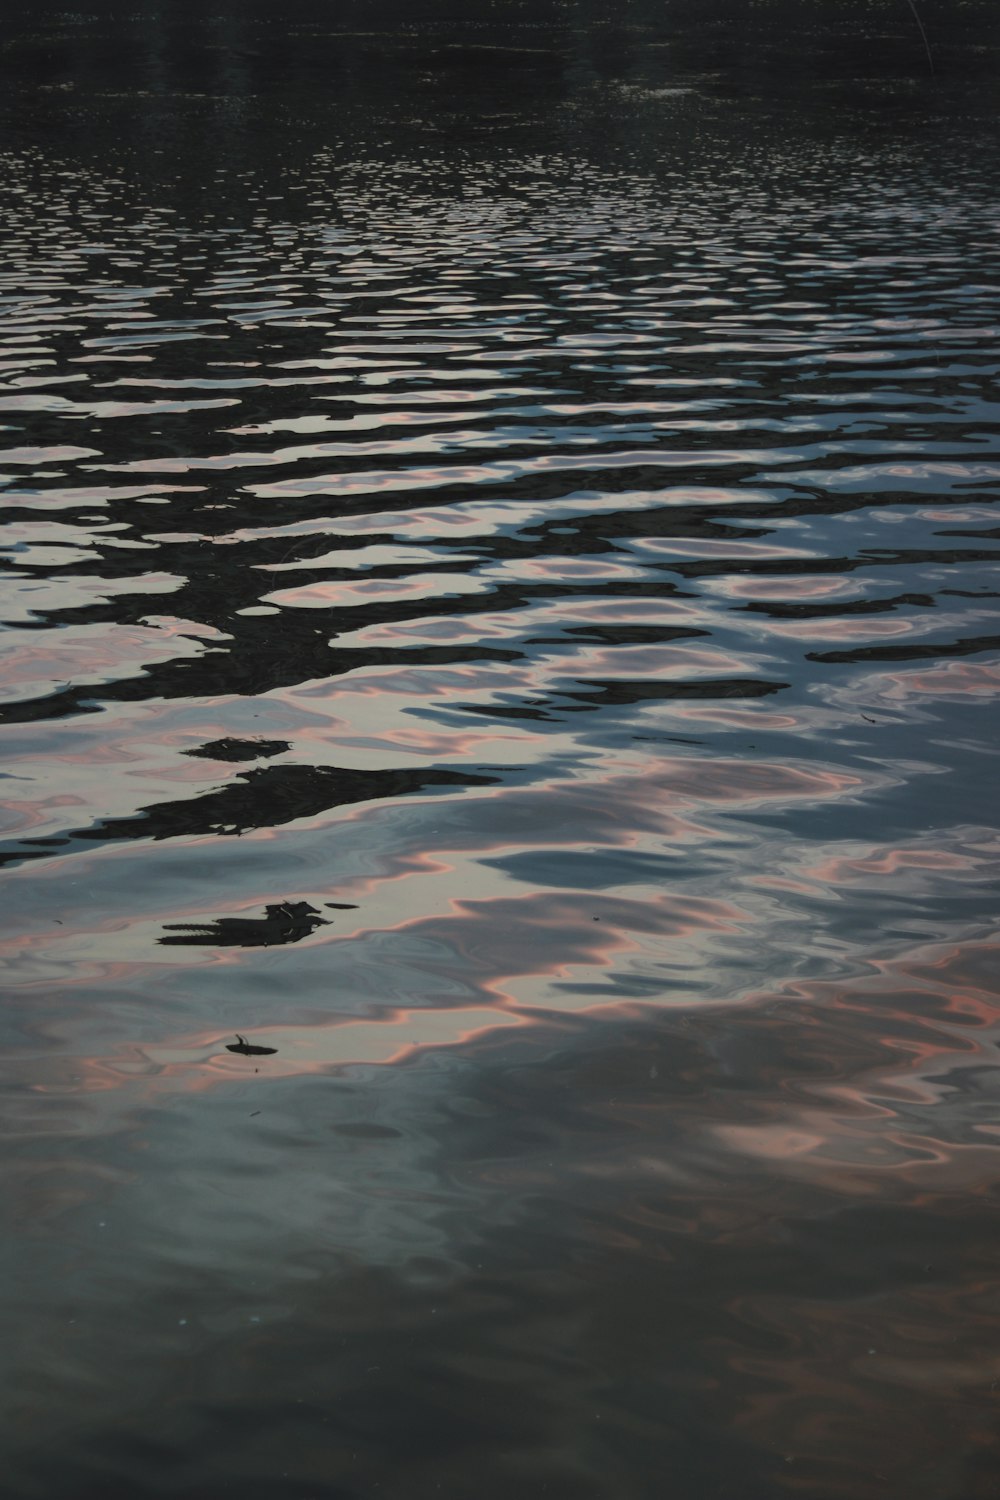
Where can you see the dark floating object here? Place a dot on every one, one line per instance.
(285, 922)
(247, 1049)
(868, 720)
(341, 905)
(234, 749)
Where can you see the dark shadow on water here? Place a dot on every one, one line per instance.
(231, 748)
(262, 798)
(249, 1049)
(284, 922)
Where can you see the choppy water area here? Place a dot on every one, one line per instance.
(508, 625)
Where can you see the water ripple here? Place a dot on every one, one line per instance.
(516, 637)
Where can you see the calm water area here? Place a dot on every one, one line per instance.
(498, 714)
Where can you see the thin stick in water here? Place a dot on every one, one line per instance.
(927, 45)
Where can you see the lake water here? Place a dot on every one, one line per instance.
(500, 576)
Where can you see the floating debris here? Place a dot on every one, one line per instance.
(284, 922)
(248, 1049)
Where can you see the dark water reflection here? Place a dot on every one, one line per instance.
(499, 594)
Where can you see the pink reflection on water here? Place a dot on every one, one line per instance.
(43, 661)
(785, 586)
(23, 816)
(955, 679)
(623, 611)
(451, 746)
(477, 948)
(553, 569)
(658, 662)
(739, 718)
(881, 862)
(354, 595)
(869, 628)
(196, 1062)
(201, 1061)
(915, 1021)
(724, 547)
(747, 782)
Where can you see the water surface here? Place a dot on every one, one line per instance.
(500, 610)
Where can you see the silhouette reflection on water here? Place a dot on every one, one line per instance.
(284, 922)
(248, 1049)
(231, 748)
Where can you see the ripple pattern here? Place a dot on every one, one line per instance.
(518, 640)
